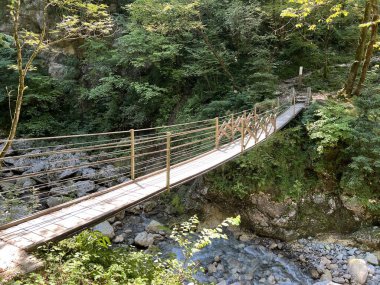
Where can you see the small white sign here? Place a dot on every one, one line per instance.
(301, 70)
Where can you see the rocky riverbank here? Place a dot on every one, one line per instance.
(246, 258)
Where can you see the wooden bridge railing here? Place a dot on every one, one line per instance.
(67, 167)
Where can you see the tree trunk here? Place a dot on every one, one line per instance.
(349, 85)
(21, 83)
(370, 47)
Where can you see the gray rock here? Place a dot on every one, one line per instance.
(211, 268)
(61, 190)
(326, 276)
(118, 239)
(154, 227)
(105, 228)
(371, 258)
(144, 239)
(149, 206)
(111, 220)
(54, 201)
(57, 70)
(14, 212)
(319, 198)
(7, 186)
(37, 166)
(339, 280)
(107, 171)
(326, 283)
(88, 173)
(120, 216)
(68, 173)
(83, 187)
(358, 270)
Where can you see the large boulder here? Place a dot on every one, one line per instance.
(371, 258)
(144, 239)
(154, 227)
(358, 270)
(106, 229)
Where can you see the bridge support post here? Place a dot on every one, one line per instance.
(294, 101)
(309, 97)
(232, 128)
(243, 123)
(168, 155)
(217, 132)
(132, 133)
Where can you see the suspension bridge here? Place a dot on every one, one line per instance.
(92, 177)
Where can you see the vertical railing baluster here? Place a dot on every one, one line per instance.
(217, 132)
(132, 134)
(294, 101)
(232, 128)
(168, 155)
(243, 123)
(274, 122)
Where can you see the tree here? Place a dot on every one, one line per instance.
(76, 20)
(168, 17)
(302, 10)
(373, 6)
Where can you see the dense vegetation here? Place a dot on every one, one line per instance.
(199, 59)
(334, 147)
(180, 60)
(177, 60)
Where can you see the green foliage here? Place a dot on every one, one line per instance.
(331, 125)
(191, 242)
(88, 258)
(280, 166)
(177, 204)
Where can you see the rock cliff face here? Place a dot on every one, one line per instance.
(289, 220)
(54, 59)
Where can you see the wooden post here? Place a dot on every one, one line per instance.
(278, 102)
(217, 132)
(309, 98)
(274, 122)
(232, 128)
(294, 101)
(132, 133)
(255, 110)
(168, 142)
(300, 77)
(243, 122)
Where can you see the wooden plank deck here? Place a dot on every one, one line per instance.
(87, 212)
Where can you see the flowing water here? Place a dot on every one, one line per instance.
(230, 261)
